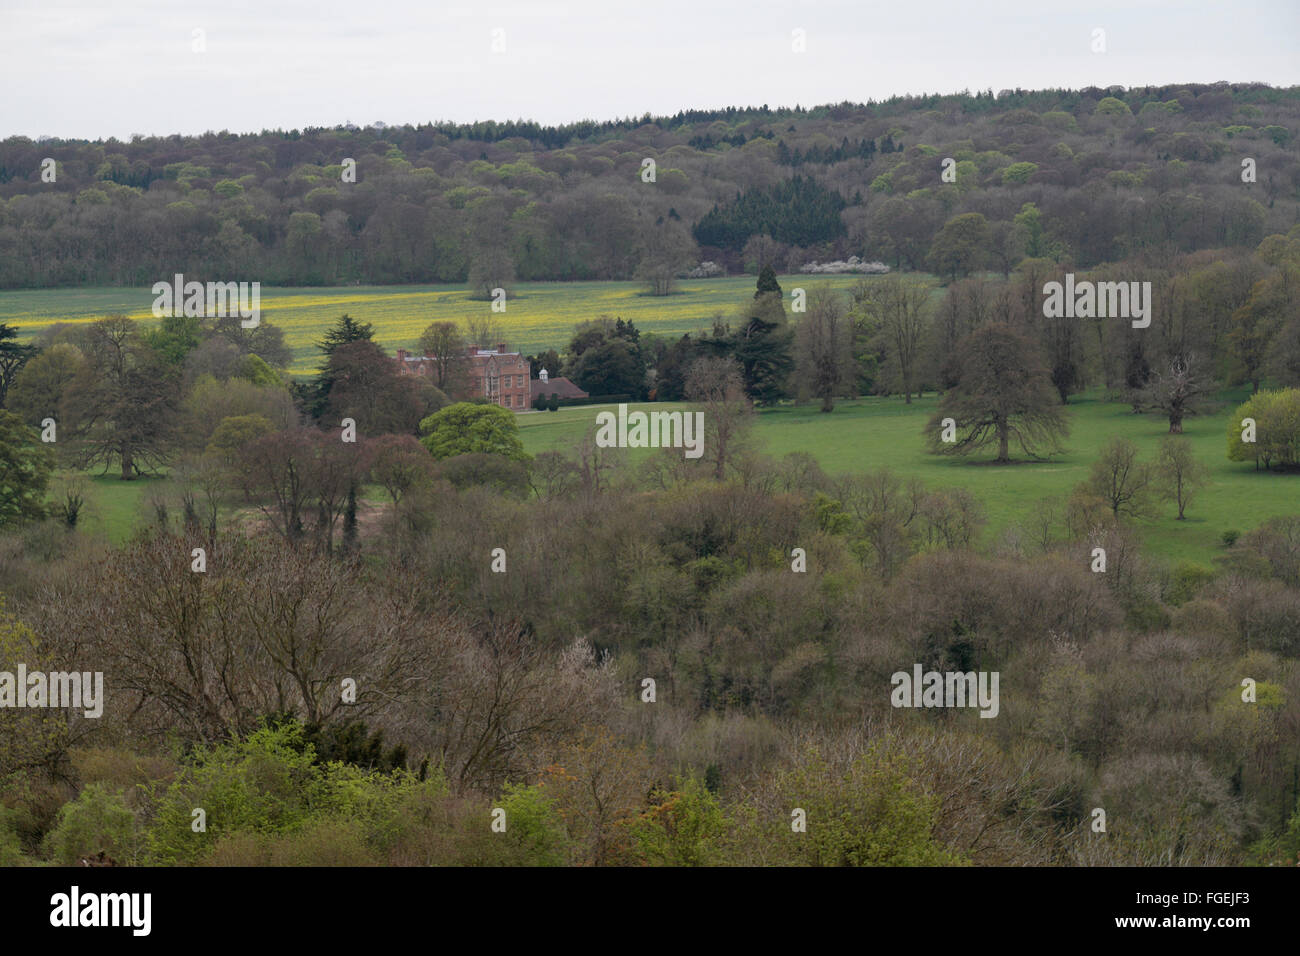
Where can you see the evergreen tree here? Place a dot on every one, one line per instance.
(764, 351)
(345, 330)
(350, 521)
(13, 357)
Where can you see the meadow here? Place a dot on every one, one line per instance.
(859, 435)
(540, 316)
(872, 433)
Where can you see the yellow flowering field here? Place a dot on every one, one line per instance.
(541, 315)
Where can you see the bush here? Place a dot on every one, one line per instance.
(870, 812)
(98, 820)
(327, 842)
(1277, 541)
(11, 851)
(1267, 615)
(492, 471)
(682, 827)
(263, 784)
(1277, 429)
(268, 799)
(535, 833)
(1201, 616)
(1188, 578)
(1229, 538)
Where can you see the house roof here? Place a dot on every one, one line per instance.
(556, 385)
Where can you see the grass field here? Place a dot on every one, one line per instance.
(858, 436)
(541, 316)
(873, 433)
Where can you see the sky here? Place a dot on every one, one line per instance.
(113, 68)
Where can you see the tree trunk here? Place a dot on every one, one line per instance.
(128, 466)
(1004, 435)
(350, 521)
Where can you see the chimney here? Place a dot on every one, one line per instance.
(501, 347)
(542, 375)
(401, 355)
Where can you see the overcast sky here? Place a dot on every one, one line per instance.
(117, 67)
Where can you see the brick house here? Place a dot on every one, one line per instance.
(500, 375)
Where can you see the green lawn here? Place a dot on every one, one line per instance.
(857, 436)
(114, 508)
(875, 433)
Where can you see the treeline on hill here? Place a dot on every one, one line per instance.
(317, 643)
(1219, 318)
(492, 203)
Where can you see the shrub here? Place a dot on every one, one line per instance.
(1188, 578)
(535, 833)
(1267, 615)
(1277, 541)
(263, 784)
(11, 852)
(1201, 616)
(1277, 429)
(493, 471)
(98, 820)
(682, 827)
(326, 842)
(869, 812)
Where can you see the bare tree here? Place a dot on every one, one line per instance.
(667, 249)
(266, 629)
(825, 348)
(1179, 472)
(1178, 390)
(901, 312)
(496, 705)
(483, 329)
(718, 386)
(593, 462)
(445, 343)
(1120, 480)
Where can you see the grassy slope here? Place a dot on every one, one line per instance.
(873, 433)
(541, 316)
